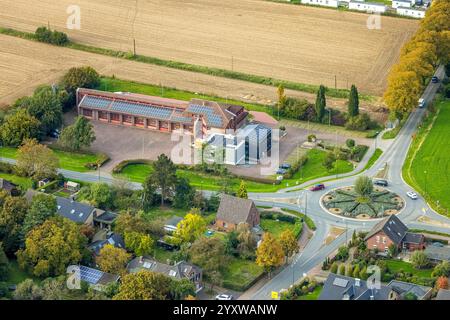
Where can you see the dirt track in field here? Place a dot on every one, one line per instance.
(24, 65)
(302, 44)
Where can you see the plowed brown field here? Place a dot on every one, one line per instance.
(297, 43)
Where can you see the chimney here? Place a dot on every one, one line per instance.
(141, 259)
(357, 282)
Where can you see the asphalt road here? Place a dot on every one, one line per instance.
(394, 153)
(316, 251)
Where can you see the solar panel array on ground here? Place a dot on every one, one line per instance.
(212, 119)
(90, 275)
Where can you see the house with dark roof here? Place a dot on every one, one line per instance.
(111, 238)
(97, 279)
(391, 231)
(171, 225)
(76, 211)
(438, 254)
(181, 270)
(338, 287)
(443, 294)
(233, 211)
(9, 187)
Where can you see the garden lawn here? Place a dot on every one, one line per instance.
(313, 169)
(239, 274)
(433, 157)
(377, 154)
(67, 160)
(16, 275)
(277, 227)
(312, 295)
(397, 265)
(22, 182)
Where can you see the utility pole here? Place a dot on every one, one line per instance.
(134, 47)
(98, 168)
(335, 82)
(329, 117)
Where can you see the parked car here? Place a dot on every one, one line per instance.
(285, 166)
(317, 187)
(380, 182)
(412, 195)
(281, 171)
(421, 103)
(224, 296)
(434, 79)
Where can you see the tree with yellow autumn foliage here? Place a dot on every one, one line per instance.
(269, 254)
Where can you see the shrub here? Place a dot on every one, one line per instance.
(358, 152)
(361, 122)
(334, 268)
(43, 34)
(419, 259)
(350, 143)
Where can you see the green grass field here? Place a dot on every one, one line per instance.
(312, 170)
(377, 154)
(277, 227)
(67, 160)
(397, 265)
(240, 273)
(429, 170)
(22, 182)
(117, 85)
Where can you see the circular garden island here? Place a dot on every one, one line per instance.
(362, 201)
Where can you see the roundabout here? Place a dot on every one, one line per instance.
(362, 201)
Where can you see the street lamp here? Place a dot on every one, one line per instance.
(329, 117)
(426, 182)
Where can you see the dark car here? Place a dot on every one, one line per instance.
(435, 79)
(380, 182)
(317, 187)
(285, 166)
(281, 171)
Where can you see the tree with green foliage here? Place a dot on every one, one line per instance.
(191, 227)
(144, 285)
(353, 102)
(36, 161)
(321, 103)
(28, 290)
(42, 208)
(79, 77)
(51, 247)
(18, 127)
(4, 264)
(334, 267)
(209, 254)
(12, 215)
(419, 259)
(350, 143)
(101, 195)
(342, 269)
(356, 271)
(242, 191)
(281, 99)
(363, 186)
(139, 243)
(329, 161)
(77, 136)
(349, 270)
(180, 289)
(164, 176)
(127, 222)
(184, 194)
(46, 106)
(441, 269)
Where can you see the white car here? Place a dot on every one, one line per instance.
(224, 296)
(412, 195)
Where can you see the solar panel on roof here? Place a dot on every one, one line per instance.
(340, 282)
(96, 102)
(90, 275)
(141, 110)
(211, 117)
